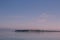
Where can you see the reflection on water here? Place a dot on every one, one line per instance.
(29, 36)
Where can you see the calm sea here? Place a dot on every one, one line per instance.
(8, 35)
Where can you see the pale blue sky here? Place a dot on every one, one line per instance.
(30, 14)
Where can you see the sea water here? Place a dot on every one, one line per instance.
(9, 35)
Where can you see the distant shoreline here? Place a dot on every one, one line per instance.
(36, 31)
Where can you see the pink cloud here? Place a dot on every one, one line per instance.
(44, 21)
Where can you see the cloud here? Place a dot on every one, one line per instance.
(44, 21)
(43, 18)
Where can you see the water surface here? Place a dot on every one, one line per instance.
(8, 35)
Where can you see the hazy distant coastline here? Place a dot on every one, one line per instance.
(36, 31)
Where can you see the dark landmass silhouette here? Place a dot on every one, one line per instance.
(36, 31)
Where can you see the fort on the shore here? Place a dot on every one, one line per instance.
(36, 31)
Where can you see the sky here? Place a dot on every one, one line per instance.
(30, 14)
